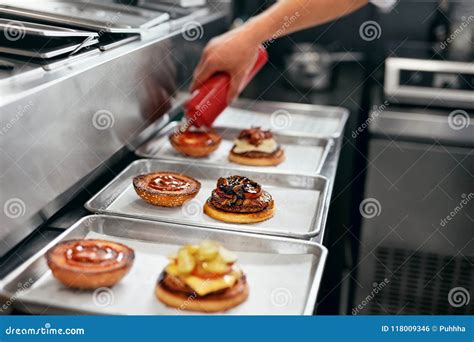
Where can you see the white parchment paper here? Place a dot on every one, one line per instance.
(299, 159)
(279, 284)
(241, 118)
(294, 209)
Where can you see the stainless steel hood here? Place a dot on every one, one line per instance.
(60, 125)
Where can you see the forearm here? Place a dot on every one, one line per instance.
(287, 16)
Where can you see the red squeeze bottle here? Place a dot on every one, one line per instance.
(209, 100)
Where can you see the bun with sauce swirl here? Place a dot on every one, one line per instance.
(166, 189)
(89, 263)
(194, 143)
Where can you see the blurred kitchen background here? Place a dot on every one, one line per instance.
(401, 223)
(403, 168)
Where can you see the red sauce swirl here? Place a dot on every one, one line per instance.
(168, 183)
(195, 138)
(86, 253)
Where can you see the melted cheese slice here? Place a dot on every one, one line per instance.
(266, 146)
(206, 286)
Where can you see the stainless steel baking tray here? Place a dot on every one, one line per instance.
(299, 199)
(283, 274)
(41, 30)
(303, 155)
(88, 15)
(284, 117)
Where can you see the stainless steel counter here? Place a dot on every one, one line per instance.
(74, 213)
(60, 124)
(328, 170)
(101, 84)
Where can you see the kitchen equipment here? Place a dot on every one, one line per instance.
(440, 24)
(111, 18)
(178, 15)
(443, 83)
(52, 48)
(299, 199)
(185, 3)
(274, 266)
(416, 224)
(6, 65)
(210, 99)
(303, 155)
(414, 75)
(309, 66)
(13, 67)
(41, 30)
(289, 118)
(83, 114)
(462, 30)
(23, 38)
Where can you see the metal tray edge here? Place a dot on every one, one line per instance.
(313, 293)
(248, 104)
(316, 225)
(310, 302)
(160, 134)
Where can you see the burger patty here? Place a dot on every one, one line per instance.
(174, 284)
(257, 154)
(237, 205)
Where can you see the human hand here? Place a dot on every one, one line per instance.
(235, 53)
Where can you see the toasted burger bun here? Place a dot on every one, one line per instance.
(195, 151)
(84, 277)
(199, 149)
(260, 159)
(165, 198)
(225, 216)
(211, 303)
